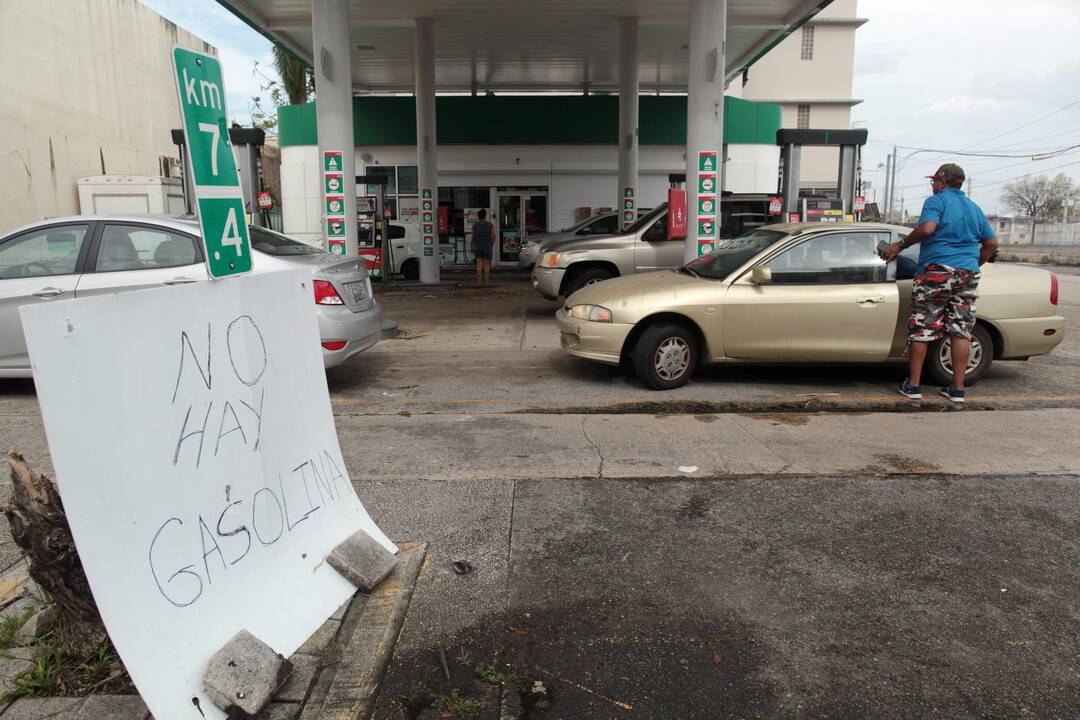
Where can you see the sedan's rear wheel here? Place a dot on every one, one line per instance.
(939, 358)
(665, 356)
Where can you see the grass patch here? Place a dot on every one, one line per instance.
(53, 672)
(11, 625)
(494, 673)
(456, 706)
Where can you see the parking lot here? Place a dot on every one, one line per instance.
(764, 542)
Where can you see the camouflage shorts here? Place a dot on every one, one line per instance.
(942, 301)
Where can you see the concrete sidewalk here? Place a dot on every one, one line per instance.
(519, 446)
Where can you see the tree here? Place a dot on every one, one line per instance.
(1040, 197)
(40, 527)
(294, 84)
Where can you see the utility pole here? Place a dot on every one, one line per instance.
(885, 199)
(971, 187)
(892, 184)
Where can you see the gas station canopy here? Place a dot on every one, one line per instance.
(527, 45)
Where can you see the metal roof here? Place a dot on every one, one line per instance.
(527, 45)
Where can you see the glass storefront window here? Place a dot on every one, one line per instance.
(407, 180)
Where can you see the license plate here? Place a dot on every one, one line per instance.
(358, 291)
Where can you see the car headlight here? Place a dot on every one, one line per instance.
(591, 312)
(550, 260)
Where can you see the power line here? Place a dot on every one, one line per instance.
(1028, 124)
(984, 171)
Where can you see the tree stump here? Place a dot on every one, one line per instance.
(40, 527)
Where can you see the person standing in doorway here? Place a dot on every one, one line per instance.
(956, 240)
(483, 240)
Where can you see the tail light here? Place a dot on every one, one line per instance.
(334, 344)
(325, 294)
(1053, 289)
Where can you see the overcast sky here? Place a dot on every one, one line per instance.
(954, 74)
(945, 74)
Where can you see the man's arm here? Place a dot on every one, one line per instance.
(922, 231)
(989, 247)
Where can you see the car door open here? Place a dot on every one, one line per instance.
(825, 298)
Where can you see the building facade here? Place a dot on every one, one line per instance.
(810, 74)
(533, 174)
(114, 114)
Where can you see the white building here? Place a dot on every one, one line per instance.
(810, 75)
(88, 90)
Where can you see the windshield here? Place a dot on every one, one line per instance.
(646, 219)
(273, 243)
(729, 255)
(582, 223)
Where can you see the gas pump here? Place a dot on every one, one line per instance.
(849, 170)
(676, 209)
(246, 144)
(375, 223)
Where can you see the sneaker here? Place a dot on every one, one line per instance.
(954, 395)
(911, 392)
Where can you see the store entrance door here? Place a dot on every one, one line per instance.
(520, 215)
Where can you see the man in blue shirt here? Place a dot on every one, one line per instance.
(956, 240)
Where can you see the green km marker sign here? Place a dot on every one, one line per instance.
(218, 197)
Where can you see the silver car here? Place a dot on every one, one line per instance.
(87, 255)
(606, 223)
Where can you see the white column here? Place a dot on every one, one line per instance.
(333, 112)
(628, 120)
(427, 147)
(704, 115)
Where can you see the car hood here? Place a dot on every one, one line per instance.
(660, 289)
(591, 242)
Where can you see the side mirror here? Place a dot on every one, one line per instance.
(761, 275)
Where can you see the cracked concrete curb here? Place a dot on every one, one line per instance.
(346, 688)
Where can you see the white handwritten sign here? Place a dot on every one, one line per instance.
(196, 455)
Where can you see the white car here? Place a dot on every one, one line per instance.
(406, 247)
(86, 255)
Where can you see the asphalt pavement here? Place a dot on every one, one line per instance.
(765, 542)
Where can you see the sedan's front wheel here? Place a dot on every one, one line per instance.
(665, 356)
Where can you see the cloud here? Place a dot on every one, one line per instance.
(968, 105)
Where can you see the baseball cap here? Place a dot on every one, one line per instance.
(949, 172)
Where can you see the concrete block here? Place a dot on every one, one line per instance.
(44, 709)
(321, 638)
(113, 707)
(362, 561)
(10, 667)
(296, 687)
(281, 711)
(19, 607)
(243, 676)
(40, 623)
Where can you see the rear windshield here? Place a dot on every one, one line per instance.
(274, 243)
(729, 255)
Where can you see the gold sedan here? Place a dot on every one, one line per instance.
(797, 293)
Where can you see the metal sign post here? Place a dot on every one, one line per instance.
(216, 184)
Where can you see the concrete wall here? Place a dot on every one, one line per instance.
(576, 175)
(1019, 231)
(87, 90)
